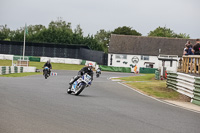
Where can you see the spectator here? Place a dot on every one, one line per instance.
(196, 47)
(185, 49)
(188, 50)
(189, 44)
(135, 69)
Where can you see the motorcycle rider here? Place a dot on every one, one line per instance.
(98, 70)
(86, 69)
(47, 64)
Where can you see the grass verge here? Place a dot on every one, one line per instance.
(21, 74)
(57, 66)
(143, 77)
(155, 88)
(5, 63)
(39, 65)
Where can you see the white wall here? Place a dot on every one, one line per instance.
(140, 63)
(29, 69)
(172, 68)
(61, 60)
(6, 57)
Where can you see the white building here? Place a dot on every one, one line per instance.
(128, 51)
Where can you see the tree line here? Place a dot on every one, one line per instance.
(61, 32)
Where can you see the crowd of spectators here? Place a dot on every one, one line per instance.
(192, 50)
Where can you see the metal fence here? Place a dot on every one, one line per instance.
(53, 50)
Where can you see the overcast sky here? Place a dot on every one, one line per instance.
(181, 16)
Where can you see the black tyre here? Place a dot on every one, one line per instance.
(82, 87)
(97, 75)
(45, 74)
(69, 89)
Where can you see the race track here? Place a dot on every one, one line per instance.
(36, 105)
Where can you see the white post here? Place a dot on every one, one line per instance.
(24, 41)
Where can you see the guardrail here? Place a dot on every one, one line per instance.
(10, 69)
(185, 84)
(190, 63)
(15, 69)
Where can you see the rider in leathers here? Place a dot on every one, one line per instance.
(48, 64)
(87, 69)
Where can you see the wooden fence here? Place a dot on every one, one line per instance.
(190, 64)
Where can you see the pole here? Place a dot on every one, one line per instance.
(24, 41)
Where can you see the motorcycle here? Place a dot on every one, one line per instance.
(45, 72)
(98, 72)
(79, 85)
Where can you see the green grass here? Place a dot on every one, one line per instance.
(156, 89)
(144, 77)
(39, 65)
(21, 74)
(5, 63)
(57, 66)
(151, 87)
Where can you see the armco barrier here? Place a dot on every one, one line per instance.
(115, 69)
(147, 70)
(36, 59)
(157, 75)
(15, 69)
(185, 84)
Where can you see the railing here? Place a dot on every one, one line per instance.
(185, 84)
(190, 64)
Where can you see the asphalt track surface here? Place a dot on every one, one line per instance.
(35, 105)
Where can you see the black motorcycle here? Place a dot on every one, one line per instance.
(98, 72)
(46, 72)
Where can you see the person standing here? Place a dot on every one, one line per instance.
(196, 47)
(188, 45)
(47, 64)
(135, 69)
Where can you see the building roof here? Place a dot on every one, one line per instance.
(140, 45)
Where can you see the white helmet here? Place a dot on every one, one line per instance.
(90, 66)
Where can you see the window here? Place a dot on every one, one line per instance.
(144, 57)
(120, 56)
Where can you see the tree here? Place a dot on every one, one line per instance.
(18, 35)
(78, 35)
(166, 32)
(126, 31)
(182, 35)
(33, 32)
(57, 32)
(4, 32)
(92, 43)
(78, 30)
(161, 32)
(103, 37)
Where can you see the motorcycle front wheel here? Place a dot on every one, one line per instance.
(45, 74)
(79, 89)
(69, 90)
